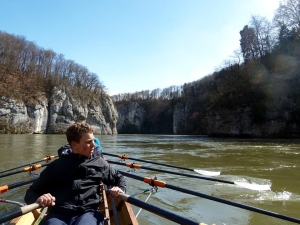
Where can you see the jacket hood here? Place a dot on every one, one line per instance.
(66, 152)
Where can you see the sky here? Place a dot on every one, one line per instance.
(135, 45)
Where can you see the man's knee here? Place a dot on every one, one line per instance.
(91, 217)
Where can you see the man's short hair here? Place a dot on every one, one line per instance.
(76, 130)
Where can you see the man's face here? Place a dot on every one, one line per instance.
(85, 146)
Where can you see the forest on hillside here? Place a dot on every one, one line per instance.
(263, 74)
(28, 71)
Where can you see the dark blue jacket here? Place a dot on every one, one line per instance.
(74, 181)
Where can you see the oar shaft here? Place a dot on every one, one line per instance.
(48, 158)
(146, 161)
(158, 211)
(11, 173)
(26, 169)
(21, 183)
(254, 209)
(5, 188)
(175, 173)
(18, 212)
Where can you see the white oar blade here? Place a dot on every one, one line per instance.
(257, 187)
(208, 173)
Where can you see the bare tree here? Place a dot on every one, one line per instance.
(288, 14)
(264, 34)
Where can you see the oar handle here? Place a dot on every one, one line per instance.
(19, 212)
(28, 208)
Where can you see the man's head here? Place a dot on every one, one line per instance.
(81, 138)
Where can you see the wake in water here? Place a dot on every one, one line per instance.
(254, 195)
(275, 196)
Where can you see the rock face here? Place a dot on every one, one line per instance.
(240, 123)
(38, 113)
(131, 118)
(179, 120)
(54, 115)
(14, 117)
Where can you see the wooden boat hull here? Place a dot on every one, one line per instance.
(27, 219)
(115, 212)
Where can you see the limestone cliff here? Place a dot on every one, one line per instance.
(239, 123)
(55, 114)
(131, 117)
(179, 120)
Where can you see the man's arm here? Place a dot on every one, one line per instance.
(40, 186)
(112, 177)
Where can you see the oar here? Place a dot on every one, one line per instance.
(48, 158)
(26, 169)
(183, 190)
(158, 211)
(19, 212)
(12, 202)
(203, 172)
(5, 188)
(244, 185)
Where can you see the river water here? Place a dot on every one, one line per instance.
(272, 162)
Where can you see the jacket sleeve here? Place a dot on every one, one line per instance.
(113, 177)
(40, 186)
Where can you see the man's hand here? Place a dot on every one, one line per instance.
(46, 200)
(114, 191)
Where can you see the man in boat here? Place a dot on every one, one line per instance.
(69, 186)
(66, 149)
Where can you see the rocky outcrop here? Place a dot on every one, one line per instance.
(131, 118)
(239, 123)
(179, 120)
(54, 115)
(14, 117)
(37, 110)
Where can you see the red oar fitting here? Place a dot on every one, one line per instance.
(154, 182)
(49, 158)
(123, 157)
(133, 165)
(32, 167)
(3, 189)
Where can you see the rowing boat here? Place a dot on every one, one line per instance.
(115, 211)
(119, 211)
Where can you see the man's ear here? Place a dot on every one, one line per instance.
(73, 145)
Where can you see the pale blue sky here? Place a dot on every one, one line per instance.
(135, 45)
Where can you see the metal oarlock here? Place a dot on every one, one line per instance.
(122, 158)
(152, 183)
(33, 174)
(132, 167)
(141, 192)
